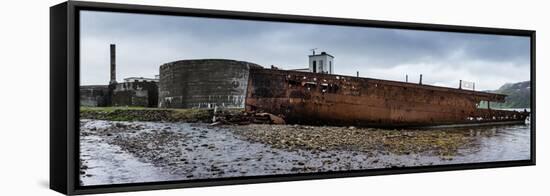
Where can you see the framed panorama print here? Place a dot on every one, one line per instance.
(147, 97)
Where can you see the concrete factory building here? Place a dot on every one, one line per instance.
(321, 63)
(204, 83)
(143, 93)
(95, 95)
(133, 91)
(196, 83)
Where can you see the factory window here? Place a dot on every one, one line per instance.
(321, 66)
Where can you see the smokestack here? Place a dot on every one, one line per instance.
(113, 64)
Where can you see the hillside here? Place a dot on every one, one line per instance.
(519, 95)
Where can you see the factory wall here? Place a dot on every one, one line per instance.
(141, 94)
(94, 95)
(204, 83)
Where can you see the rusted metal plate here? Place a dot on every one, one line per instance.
(313, 98)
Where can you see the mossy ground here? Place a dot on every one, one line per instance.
(401, 142)
(149, 114)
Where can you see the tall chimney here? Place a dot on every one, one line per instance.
(113, 64)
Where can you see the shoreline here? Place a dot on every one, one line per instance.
(229, 116)
(200, 151)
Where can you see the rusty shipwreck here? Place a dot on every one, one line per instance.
(326, 99)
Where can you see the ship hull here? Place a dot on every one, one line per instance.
(323, 99)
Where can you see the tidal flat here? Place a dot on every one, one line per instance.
(118, 152)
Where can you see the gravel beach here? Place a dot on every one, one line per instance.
(114, 152)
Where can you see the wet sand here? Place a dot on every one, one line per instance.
(127, 152)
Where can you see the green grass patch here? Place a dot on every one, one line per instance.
(150, 114)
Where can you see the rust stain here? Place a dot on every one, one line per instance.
(323, 99)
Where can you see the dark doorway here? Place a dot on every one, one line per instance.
(314, 67)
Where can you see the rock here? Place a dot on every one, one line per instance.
(150, 146)
(276, 120)
(216, 123)
(447, 158)
(294, 169)
(120, 125)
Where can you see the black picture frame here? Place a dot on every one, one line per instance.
(64, 105)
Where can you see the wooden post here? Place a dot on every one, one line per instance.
(357, 73)
(420, 79)
(460, 84)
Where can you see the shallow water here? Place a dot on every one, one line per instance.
(490, 144)
(497, 143)
(213, 152)
(108, 164)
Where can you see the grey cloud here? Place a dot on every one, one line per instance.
(146, 41)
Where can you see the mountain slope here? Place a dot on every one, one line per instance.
(519, 95)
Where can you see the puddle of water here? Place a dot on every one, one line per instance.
(108, 164)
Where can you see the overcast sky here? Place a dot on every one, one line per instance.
(144, 42)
